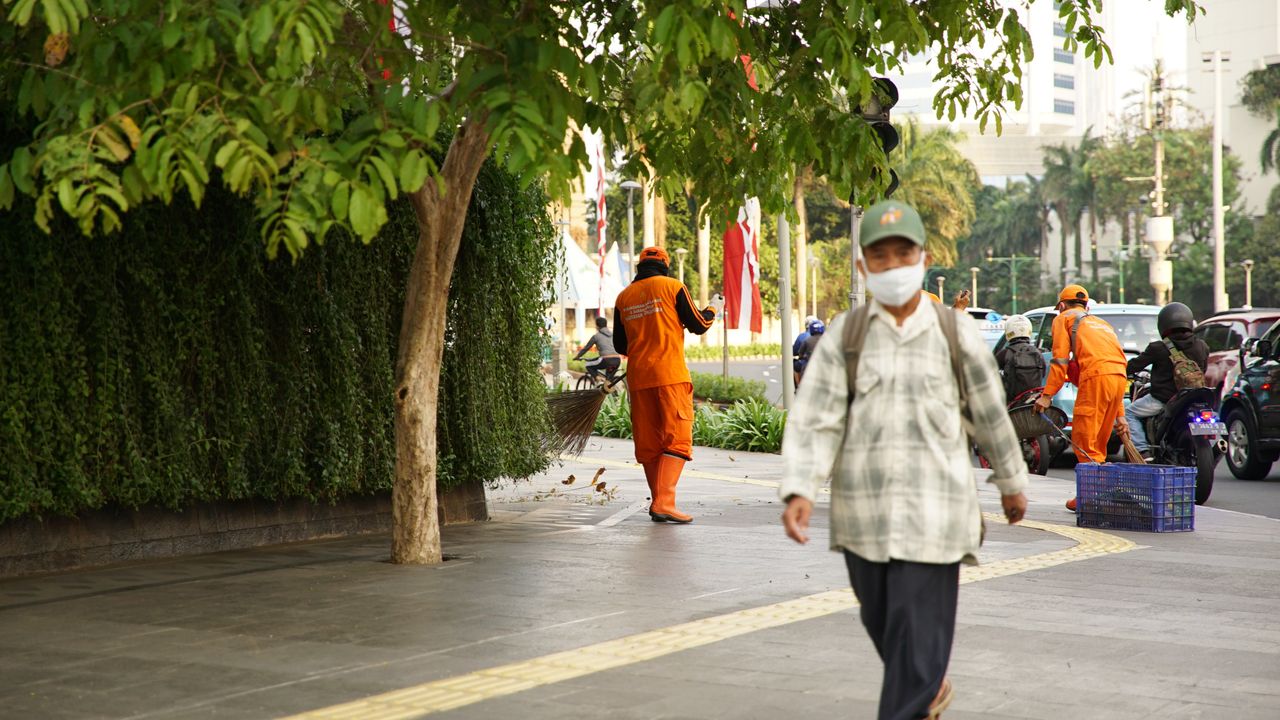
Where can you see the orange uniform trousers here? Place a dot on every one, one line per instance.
(662, 422)
(1099, 402)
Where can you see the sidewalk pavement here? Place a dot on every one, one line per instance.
(568, 608)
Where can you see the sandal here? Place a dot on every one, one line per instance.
(941, 701)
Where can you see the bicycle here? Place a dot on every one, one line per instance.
(594, 378)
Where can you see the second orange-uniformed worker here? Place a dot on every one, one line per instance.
(649, 321)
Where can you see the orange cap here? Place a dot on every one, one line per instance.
(1073, 292)
(655, 253)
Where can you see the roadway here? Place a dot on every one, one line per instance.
(1260, 497)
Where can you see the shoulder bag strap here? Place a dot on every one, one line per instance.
(855, 336)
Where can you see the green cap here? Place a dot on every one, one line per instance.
(891, 219)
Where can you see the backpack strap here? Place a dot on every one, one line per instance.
(1075, 328)
(947, 320)
(855, 336)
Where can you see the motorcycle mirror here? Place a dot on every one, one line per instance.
(1263, 349)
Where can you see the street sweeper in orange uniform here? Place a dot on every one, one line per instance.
(649, 321)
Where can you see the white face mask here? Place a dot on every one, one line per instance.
(897, 286)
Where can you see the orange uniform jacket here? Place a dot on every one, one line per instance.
(649, 321)
(1098, 350)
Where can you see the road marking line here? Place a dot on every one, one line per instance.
(622, 514)
(688, 472)
(471, 688)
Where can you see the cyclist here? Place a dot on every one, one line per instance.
(608, 360)
(1021, 362)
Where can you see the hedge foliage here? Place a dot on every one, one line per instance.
(172, 362)
(751, 425)
(717, 388)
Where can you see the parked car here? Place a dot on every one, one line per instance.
(990, 324)
(1225, 333)
(1251, 409)
(1135, 326)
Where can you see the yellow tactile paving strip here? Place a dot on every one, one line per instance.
(471, 688)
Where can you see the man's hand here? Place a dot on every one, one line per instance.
(795, 518)
(1042, 403)
(717, 303)
(1122, 427)
(1015, 507)
(962, 300)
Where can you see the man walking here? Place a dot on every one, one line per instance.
(882, 413)
(649, 321)
(1099, 361)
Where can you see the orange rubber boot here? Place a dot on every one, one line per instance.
(663, 508)
(651, 477)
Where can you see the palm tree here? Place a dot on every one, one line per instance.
(1271, 149)
(939, 182)
(1071, 189)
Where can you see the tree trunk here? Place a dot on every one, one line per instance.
(802, 244)
(415, 535)
(660, 222)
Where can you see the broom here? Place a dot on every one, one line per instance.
(1131, 452)
(573, 417)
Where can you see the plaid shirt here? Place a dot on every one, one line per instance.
(902, 481)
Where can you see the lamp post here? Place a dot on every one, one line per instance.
(631, 186)
(1122, 258)
(813, 263)
(973, 285)
(680, 253)
(1248, 283)
(557, 355)
(1013, 261)
(1215, 60)
(940, 279)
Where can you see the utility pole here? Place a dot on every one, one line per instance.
(1217, 57)
(1159, 226)
(784, 307)
(857, 291)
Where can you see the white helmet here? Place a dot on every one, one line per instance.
(1016, 326)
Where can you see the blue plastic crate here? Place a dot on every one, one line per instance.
(1126, 496)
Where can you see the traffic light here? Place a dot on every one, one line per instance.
(875, 110)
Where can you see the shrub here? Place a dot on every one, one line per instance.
(706, 353)
(751, 425)
(719, 389)
(614, 419)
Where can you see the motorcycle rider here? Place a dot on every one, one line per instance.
(816, 329)
(1175, 323)
(1102, 380)
(1021, 362)
(796, 366)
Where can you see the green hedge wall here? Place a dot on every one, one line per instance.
(172, 363)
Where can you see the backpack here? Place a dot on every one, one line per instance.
(1186, 373)
(1024, 368)
(855, 336)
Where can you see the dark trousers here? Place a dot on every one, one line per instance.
(909, 610)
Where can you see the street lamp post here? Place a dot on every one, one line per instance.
(940, 279)
(631, 186)
(813, 263)
(1122, 257)
(680, 253)
(1013, 261)
(1248, 284)
(973, 285)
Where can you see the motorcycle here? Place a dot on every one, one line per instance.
(1038, 449)
(1187, 433)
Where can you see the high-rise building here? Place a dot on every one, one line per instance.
(1249, 30)
(1063, 96)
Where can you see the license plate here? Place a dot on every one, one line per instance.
(1215, 428)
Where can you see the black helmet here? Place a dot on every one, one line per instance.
(1175, 316)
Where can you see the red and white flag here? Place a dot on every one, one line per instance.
(601, 219)
(742, 270)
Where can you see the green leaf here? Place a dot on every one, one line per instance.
(53, 17)
(384, 172)
(170, 36)
(156, 76)
(339, 201)
(413, 171)
(20, 169)
(6, 188)
(363, 213)
(263, 27)
(225, 152)
(306, 43)
(21, 13)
